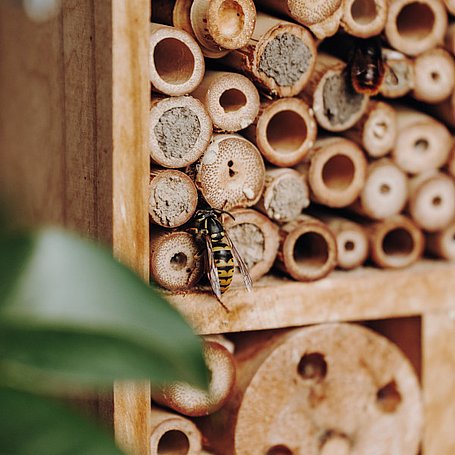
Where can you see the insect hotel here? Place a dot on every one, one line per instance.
(284, 172)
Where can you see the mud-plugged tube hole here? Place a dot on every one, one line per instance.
(279, 450)
(388, 398)
(232, 100)
(173, 442)
(363, 11)
(231, 19)
(178, 69)
(312, 366)
(286, 131)
(398, 242)
(435, 76)
(384, 188)
(437, 201)
(179, 261)
(338, 172)
(311, 251)
(415, 21)
(380, 130)
(349, 245)
(421, 145)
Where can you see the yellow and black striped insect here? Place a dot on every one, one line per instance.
(221, 254)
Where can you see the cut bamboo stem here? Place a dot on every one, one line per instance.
(385, 191)
(331, 389)
(221, 339)
(449, 40)
(172, 198)
(284, 131)
(422, 142)
(336, 105)
(308, 249)
(364, 18)
(191, 401)
(175, 262)
(256, 238)
(322, 17)
(415, 26)
(434, 76)
(231, 172)
(376, 131)
(279, 57)
(445, 111)
(173, 434)
(231, 100)
(285, 194)
(442, 244)
(432, 200)
(335, 170)
(179, 131)
(395, 242)
(180, 74)
(450, 5)
(451, 162)
(399, 74)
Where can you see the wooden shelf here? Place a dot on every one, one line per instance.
(366, 293)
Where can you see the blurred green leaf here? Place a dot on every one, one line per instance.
(71, 314)
(33, 425)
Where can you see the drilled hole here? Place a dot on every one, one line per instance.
(179, 261)
(421, 145)
(313, 366)
(398, 242)
(437, 201)
(286, 131)
(179, 68)
(279, 450)
(363, 11)
(338, 172)
(388, 398)
(311, 251)
(415, 21)
(232, 100)
(349, 245)
(173, 442)
(384, 188)
(231, 19)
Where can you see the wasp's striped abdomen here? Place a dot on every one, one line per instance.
(224, 261)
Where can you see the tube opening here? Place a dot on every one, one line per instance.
(435, 76)
(312, 366)
(363, 11)
(311, 251)
(286, 131)
(436, 201)
(231, 19)
(398, 242)
(173, 442)
(179, 261)
(388, 398)
(384, 188)
(338, 172)
(415, 21)
(174, 61)
(421, 145)
(349, 245)
(279, 450)
(232, 100)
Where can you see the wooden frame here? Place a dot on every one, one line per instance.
(78, 86)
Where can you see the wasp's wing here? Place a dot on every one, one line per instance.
(241, 264)
(212, 271)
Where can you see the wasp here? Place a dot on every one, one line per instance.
(367, 65)
(221, 253)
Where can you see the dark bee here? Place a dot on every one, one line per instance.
(367, 65)
(220, 252)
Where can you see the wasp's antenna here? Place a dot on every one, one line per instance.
(218, 211)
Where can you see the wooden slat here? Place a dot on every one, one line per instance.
(361, 294)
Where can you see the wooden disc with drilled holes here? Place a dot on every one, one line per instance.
(331, 389)
(256, 239)
(399, 74)
(284, 131)
(364, 18)
(191, 401)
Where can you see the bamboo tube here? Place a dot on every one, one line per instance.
(336, 170)
(415, 26)
(434, 76)
(331, 389)
(231, 173)
(172, 198)
(364, 18)
(285, 194)
(376, 131)
(335, 104)
(402, 80)
(395, 242)
(451, 162)
(231, 100)
(308, 249)
(449, 40)
(221, 339)
(172, 434)
(279, 57)
(445, 111)
(180, 74)
(179, 132)
(322, 17)
(385, 191)
(442, 244)
(450, 5)
(283, 131)
(422, 142)
(190, 401)
(432, 200)
(256, 239)
(174, 260)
